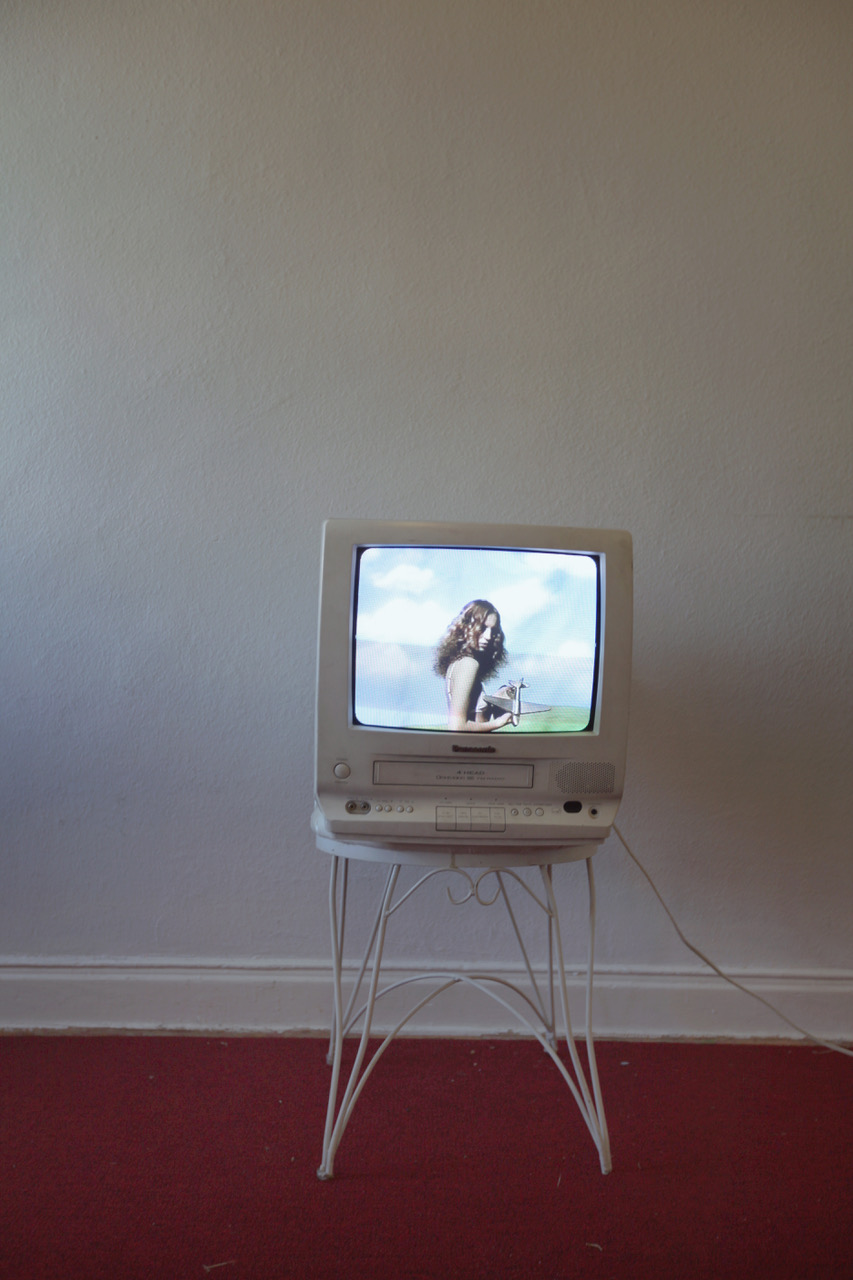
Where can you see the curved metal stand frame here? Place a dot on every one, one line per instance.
(538, 1015)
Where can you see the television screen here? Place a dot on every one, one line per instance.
(479, 639)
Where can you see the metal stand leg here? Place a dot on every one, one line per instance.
(338, 922)
(335, 1128)
(543, 1027)
(592, 1111)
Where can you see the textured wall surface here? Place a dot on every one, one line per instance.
(559, 263)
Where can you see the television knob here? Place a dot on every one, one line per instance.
(341, 770)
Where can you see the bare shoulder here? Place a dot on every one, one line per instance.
(464, 668)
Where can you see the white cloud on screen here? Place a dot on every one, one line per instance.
(407, 578)
(576, 649)
(402, 621)
(376, 661)
(523, 601)
(573, 566)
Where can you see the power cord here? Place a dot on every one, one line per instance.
(825, 1044)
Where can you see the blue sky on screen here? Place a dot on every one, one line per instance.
(546, 600)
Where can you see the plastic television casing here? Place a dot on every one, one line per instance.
(398, 786)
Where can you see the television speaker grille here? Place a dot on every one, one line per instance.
(573, 777)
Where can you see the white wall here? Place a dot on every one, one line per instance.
(270, 261)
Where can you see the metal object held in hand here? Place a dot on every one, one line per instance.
(516, 698)
(508, 698)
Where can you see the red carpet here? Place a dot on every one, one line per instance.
(180, 1157)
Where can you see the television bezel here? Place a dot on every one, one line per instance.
(346, 751)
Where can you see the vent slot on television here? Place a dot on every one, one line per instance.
(578, 778)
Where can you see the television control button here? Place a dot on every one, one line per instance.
(514, 813)
(527, 812)
(479, 818)
(445, 817)
(378, 808)
(540, 813)
(410, 808)
(342, 770)
(465, 817)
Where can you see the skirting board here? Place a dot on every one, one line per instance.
(255, 999)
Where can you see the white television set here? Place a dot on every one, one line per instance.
(473, 685)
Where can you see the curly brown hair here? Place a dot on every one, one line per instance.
(462, 636)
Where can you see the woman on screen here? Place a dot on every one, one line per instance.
(471, 650)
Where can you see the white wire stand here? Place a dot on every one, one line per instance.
(487, 881)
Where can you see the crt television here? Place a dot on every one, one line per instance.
(472, 684)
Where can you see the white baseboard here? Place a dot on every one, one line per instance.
(232, 998)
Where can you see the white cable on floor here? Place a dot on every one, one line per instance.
(826, 1044)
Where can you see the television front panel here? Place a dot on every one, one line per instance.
(472, 683)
